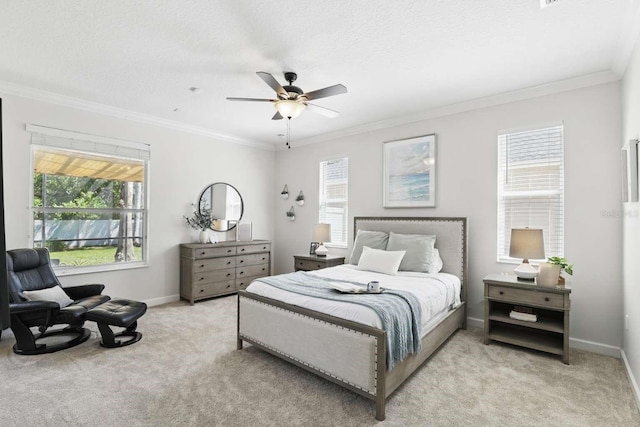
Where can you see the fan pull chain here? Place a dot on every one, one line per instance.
(288, 132)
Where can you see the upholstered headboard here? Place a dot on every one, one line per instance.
(451, 238)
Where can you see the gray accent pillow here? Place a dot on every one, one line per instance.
(372, 239)
(419, 248)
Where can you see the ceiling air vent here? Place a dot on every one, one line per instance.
(547, 3)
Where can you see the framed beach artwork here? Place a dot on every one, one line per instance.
(410, 172)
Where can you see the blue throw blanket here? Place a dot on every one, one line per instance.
(399, 311)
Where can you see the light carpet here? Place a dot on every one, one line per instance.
(187, 372)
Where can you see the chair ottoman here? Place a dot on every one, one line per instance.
(118, 312)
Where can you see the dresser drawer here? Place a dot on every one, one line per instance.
(213, 264)
(524, 297)
(242, 283)
(212, 289)
(248, 249)
(214, 276)
(214, 252)
(252, 270)
(243, 260)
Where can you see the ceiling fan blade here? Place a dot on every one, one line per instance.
(327, 91)
(252, 99)
(321, 110)
(277, 116)
(273, 83)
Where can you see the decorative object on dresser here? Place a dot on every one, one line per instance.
(526, 243)
(522, 313)
(550, 271)
(244, 231)
(409, 172)
(285, 192)
(209, 270)
(202, 222)
(313, 247)
(321, 234)
(315, 262)
(223, 203)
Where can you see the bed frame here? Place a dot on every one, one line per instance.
(351, 354)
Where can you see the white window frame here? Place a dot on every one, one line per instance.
(553, 239)
(322, 202)
(93, 144)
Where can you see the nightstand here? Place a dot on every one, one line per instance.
(550, 333)
(314, 262)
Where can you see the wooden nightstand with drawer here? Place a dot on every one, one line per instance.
(551, 306)
(314, 262)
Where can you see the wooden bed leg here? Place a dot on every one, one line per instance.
(380, 408)
(239, 344)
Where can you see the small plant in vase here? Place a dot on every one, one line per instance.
(550, 271)
(200, 221)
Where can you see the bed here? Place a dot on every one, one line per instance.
(350, 353)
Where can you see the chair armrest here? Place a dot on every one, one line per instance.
(32, 306)
(84, 291)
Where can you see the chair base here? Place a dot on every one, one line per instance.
(109, 339)
(81, 335)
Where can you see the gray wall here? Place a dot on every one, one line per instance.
(631, 241)
(466, 186)
(182, 165)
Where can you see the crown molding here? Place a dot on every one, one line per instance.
(95, 107)
(594, 79)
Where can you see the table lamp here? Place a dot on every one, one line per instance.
(526, 243)
(321, 234)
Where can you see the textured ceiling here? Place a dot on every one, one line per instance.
(397, 58)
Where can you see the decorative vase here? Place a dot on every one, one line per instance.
(204, 236)
(549, 274)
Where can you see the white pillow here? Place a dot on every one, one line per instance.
(54, 293)
(436, 264)
(386, 262)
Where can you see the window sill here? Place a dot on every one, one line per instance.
(63, 270)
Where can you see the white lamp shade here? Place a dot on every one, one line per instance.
(527, 243)
(289, 108)
(321, 233)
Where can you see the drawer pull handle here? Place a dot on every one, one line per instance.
(262, 268)
(241, 261)
(201, 290)
(263, 258)
(264, 247)
(228, 286)
(501, 293)
(202, 266)
(228, 251)
(242, 272)
(546, 299)
(202, 278)
(242, 250)
(202, 253)
(228, 262)
(228, 274)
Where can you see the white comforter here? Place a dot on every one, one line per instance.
(436, 293)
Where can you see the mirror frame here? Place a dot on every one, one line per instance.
(232, 222)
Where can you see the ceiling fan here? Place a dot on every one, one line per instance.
(291, 100)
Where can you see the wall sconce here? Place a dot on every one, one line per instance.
(285, 192)
(291, 214)
(300, 199)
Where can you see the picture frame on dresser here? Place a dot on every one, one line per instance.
(312, 247)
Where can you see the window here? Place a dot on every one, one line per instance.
(531, 187)
(334, 197)
(89, 200)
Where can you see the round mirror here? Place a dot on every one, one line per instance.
(223, 202)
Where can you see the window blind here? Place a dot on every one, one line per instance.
(531, 187)
(334, 198)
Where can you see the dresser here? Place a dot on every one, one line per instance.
(550, 305)
(214, 269)
(315, 262)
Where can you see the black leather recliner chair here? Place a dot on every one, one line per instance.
(28, 270)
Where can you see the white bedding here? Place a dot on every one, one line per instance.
(436, 293)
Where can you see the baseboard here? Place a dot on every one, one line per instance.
(593, 347)
(162, 300)
(632, 378)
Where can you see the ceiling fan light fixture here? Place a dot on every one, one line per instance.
(289, 108)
